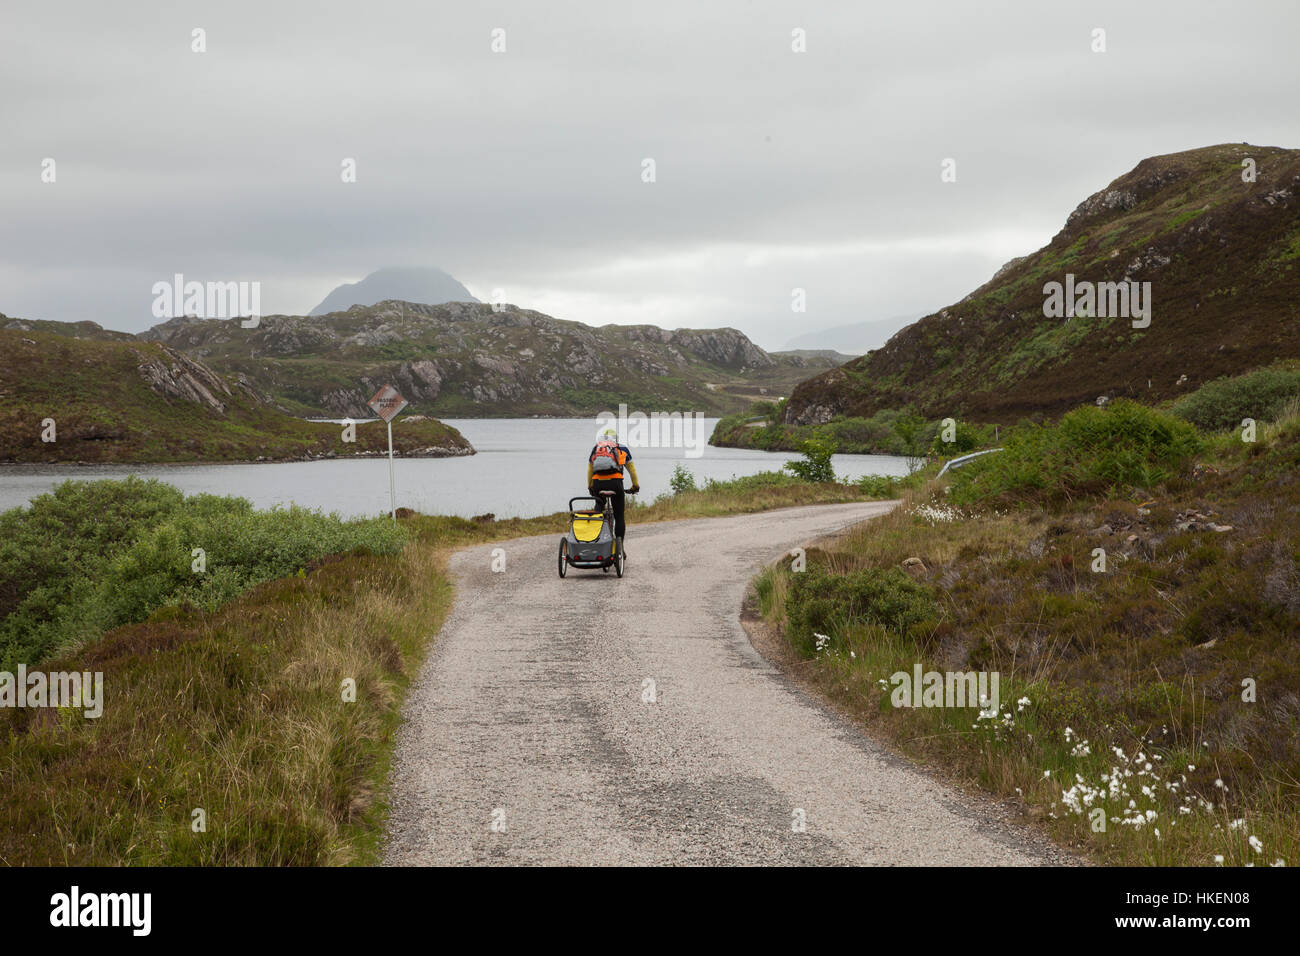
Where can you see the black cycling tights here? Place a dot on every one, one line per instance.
(615, 485)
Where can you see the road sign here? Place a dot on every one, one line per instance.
(387, 403)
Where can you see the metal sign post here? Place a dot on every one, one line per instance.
(392, 482)
(387, 402)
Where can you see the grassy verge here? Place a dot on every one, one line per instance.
(1134, 585)
(237, 706)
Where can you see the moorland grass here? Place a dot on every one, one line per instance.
(231, 701)
(1159, 688)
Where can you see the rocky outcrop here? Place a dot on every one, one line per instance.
(175, 375)
(501, 358)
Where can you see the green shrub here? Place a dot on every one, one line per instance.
(763, 479)
(879, 486)
(682, 480)
(94, 555)
(966, 437)
(1090, 451)
(816, 463)
(914, 436)
(770, 437)
(1223, 403)
(823, 602)
(860, 436)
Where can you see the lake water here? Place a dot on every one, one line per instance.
(524, 467)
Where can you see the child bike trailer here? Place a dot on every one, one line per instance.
(590, 542)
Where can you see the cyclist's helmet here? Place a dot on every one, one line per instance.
(610, 433)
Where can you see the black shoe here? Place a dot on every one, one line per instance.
(621, 549)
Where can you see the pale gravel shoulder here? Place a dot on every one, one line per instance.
(527, 739)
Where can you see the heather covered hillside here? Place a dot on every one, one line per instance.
(1222, 257)
(79, 393)
(472, 360)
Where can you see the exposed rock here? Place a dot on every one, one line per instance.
(491, 355)
(1146, 261)
(176, 375)
(1196, 521)
(1105, 200)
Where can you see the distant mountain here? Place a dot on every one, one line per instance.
(465, 359)
(856, 338)
(423, 284)
(1221, 255)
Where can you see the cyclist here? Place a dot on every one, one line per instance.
(605, 467)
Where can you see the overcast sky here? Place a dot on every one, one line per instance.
(522, 170)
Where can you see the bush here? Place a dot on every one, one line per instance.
(879, 486)
(1223, 403)
(887, 432)
(1091, 451)
(763, 479)
(94, 555)
(770, 437)
(859, 436)
(914, 438)
(816, 464)
(822, 602)
(966, 438)
(682, 480)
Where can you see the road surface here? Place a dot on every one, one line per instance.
(527, 738)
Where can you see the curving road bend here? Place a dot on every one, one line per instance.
(526, 738)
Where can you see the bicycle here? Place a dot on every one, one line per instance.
(591, 543)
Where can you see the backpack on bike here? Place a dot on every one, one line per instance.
(605, 457)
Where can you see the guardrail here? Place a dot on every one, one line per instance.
(958, 462)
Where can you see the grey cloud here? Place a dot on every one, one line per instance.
(521, 170)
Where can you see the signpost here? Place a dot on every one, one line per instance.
(387, 402)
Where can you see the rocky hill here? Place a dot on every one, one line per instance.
(1222, 257)
(79, 393)
(471, 360)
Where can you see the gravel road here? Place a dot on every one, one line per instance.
(527, 740)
